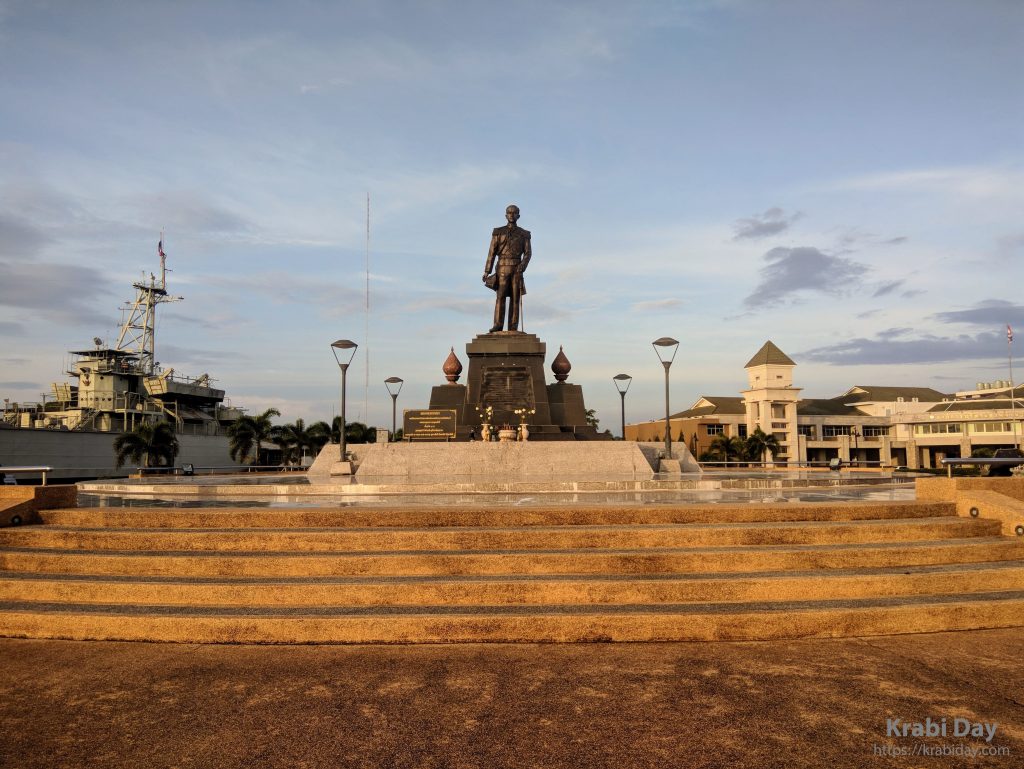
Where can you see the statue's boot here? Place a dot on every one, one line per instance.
(499, 314)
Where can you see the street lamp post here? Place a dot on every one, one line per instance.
(855, 434)
(622, 382)
(344, 351)
(394, 385)
(663, 347)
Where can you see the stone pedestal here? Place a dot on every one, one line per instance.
(453, 396)
(506, 372)
(566, 403)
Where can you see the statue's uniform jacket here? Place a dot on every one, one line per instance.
(511, 247)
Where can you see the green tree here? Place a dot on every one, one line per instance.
(328, 432)
(249, 433)
(296, 438)
(322, 434)
(357, 432)
(149, 444)
(592, 419)
(759, 444)
(726, 448)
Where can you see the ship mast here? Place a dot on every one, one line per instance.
(138, 327)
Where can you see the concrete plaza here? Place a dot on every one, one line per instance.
(803, 703)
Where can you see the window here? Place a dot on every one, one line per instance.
(833, 431)
(875, 431)
(778, 411)
(715, 429)
(991, 427)
(742, 431)
(780, 425)
(807, 430)
(942, 428)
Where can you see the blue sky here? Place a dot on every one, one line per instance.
(844, 178)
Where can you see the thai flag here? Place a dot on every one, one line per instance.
(1009, 333)
(160, 250)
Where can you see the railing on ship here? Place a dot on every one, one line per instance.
(42, 473)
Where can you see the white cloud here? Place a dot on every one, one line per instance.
(976, 182)
(654, 305)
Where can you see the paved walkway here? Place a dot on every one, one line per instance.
(775, 704)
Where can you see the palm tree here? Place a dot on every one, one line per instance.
(357, 432)
(295, 438)
(249, 432)
(760, 444)
(326, 433)
(726, 447)
(149, 444)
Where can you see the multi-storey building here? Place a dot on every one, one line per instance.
(911, 426)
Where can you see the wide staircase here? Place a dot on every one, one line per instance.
(507, 573)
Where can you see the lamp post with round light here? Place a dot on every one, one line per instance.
(666, 348)
(622, 382)
(344, 351)
(394, 385)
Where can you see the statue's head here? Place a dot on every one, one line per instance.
(512, 214)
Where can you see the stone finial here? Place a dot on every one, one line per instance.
(561, 366)
(452, 368)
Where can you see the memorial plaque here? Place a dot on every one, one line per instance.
(507, 388)
(429, 424)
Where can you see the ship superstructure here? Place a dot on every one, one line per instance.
(114, 389)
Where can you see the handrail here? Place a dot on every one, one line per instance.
(1001, 461)
(180, 470)
(815, 463)
(22, 469)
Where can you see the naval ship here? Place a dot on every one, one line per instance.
(112, 389)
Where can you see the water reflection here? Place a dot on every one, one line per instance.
(843, 493)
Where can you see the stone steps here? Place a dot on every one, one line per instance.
(468, 573)
(473, 538)
(533, 624)
(468, 563)
(503, 590)
(482, 515)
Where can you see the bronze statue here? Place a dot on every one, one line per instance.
(511, 246)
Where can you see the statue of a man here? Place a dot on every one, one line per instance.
(510, 245)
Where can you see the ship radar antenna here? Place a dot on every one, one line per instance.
(138, 329)
(163, 261)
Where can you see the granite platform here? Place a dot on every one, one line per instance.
(478, 461)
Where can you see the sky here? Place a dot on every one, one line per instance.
(843, 178)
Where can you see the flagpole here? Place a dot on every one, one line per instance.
(1013, 400)
(366, 381)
